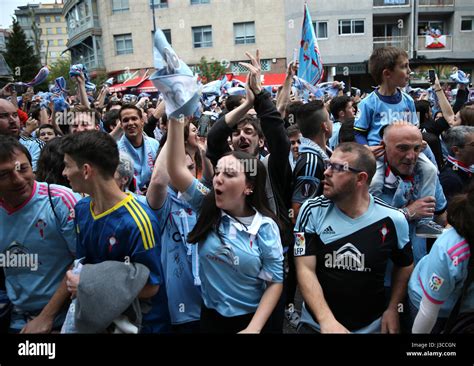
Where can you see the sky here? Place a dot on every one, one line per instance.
(7, 9)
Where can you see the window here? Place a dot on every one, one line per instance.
(50, 43)
(202, 37)
(321, 29)
(123, 44)
(244, 33)
(59, 30)
(432, 26)
(120, 6)
(49, 30)
(351, 26)
(197, 2)
(236, 68)
(47, 19)
(57, 19)
(60, 42)
(466, 24)
(167, 33)
(159, 3)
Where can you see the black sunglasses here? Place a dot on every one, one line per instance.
(340, 167)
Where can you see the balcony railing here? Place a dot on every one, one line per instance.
(436, 2)
(396, 41)
(382, 3)
(76, 27)
(435, 47)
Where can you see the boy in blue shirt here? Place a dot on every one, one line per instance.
(390, 68)
(110, 224)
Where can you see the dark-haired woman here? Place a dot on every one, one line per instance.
(240, 253)
(438, 279)
(51, 164)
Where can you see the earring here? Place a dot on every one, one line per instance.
(249, 192)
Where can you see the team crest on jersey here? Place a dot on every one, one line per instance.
(436, 282)
(384, 231)
(202, 188)
(41, 225)
(300, 245)
(112, 242)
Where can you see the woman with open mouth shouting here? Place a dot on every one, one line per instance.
(240, 252)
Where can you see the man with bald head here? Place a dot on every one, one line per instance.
(10, 126)
(406, 180)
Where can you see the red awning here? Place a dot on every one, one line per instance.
(133, 83)
(147, 87)
(268, 79)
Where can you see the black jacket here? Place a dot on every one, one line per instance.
(279, 169)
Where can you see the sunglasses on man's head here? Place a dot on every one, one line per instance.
(340, 167)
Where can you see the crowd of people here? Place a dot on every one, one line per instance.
(140, 222)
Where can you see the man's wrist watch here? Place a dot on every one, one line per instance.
(408, 215)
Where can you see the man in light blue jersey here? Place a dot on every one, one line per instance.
(10, 126)
(389, 66)
(400, 182)
(142, 149)
(36, 226)
(343, 241)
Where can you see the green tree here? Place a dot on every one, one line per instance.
(210, 71)
(20, 56)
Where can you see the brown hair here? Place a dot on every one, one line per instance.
(461, 215)
(384, 58)
(467, 114)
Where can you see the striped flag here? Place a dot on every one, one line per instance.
(311, 66)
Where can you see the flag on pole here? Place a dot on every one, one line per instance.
(311, 67)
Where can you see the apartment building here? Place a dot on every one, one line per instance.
(437, 34)
(117, 35)
(45, 29)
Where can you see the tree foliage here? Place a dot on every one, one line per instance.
(210, 70)
(20, 56)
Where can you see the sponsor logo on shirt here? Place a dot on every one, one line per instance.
(436, 282)
(300, 245)
(328, 231)
(347, 258)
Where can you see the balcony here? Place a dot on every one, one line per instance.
(435, 3)
(76, 27)
(434, 47)
(396, 41)
(391, 3)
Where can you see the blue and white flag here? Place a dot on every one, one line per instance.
(310, 67)
(215, 87)
(77, 70)
(174, 79)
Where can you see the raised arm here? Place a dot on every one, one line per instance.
(283, 98)
(158, 188)
(179, 174)
(446, 108)
(217, 145)
(81, 89)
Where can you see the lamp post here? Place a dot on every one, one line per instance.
(154, 21)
